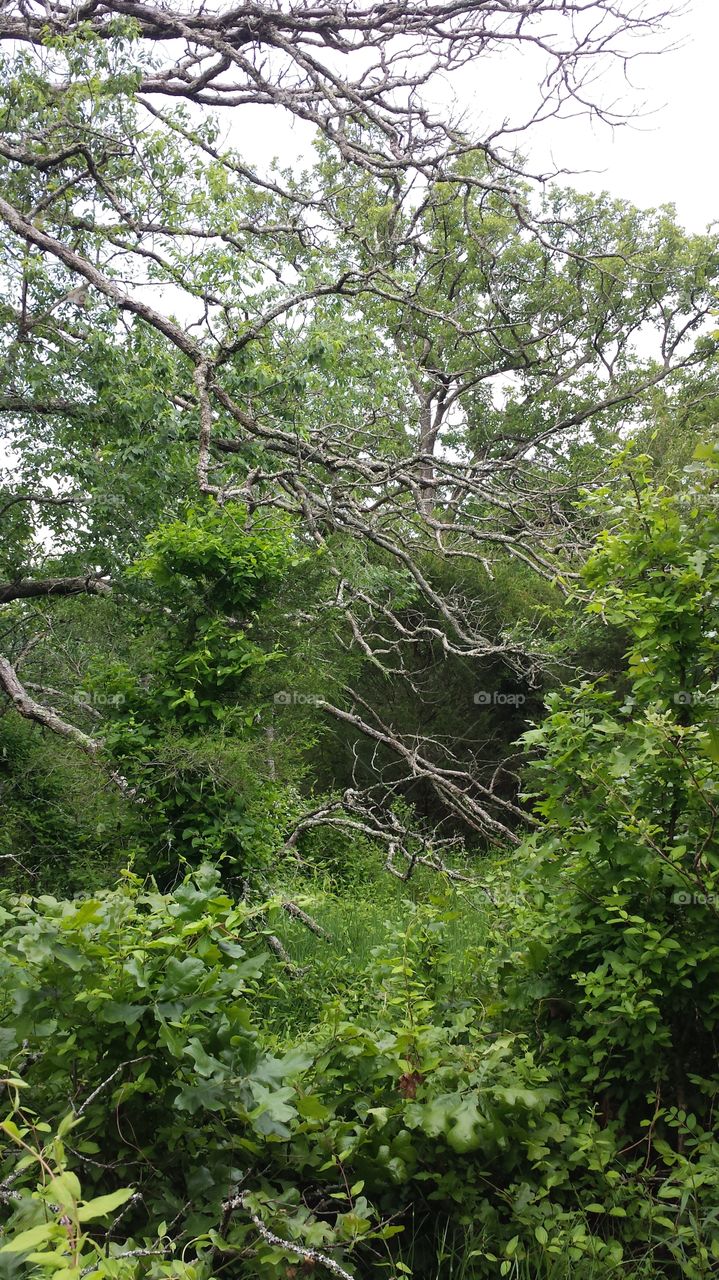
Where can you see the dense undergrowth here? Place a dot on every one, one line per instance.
(379, 1107)
(359, 657)
(508, 1073)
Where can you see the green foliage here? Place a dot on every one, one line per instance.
(213, 561)
(136, 1023)
(613, 950)
(58, 831)
(138, 1006)
(628, 788)
(184, 729)
(512, 1074)
(147, 1087)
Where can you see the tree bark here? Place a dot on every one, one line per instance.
(31, 589)
(46, 716)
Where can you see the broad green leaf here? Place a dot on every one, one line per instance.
(103, 1205)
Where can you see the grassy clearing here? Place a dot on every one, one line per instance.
(357, 923)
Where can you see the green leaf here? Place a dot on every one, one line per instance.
(65, 1189)
(181, 977)
(103, 1205)
(88, 912)
(68, 1122)
(30, 1239)
(116, 1011)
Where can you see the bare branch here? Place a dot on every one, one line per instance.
(310, 1256)
(36, 588)
(45, 716)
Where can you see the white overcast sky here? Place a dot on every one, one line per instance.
(668, 153)
(671, 154)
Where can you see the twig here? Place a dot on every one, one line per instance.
(307, 1255)
(282, 954)
(293, 910)
(127, 1253)
(103, 1085)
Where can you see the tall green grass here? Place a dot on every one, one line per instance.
(357, 922)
